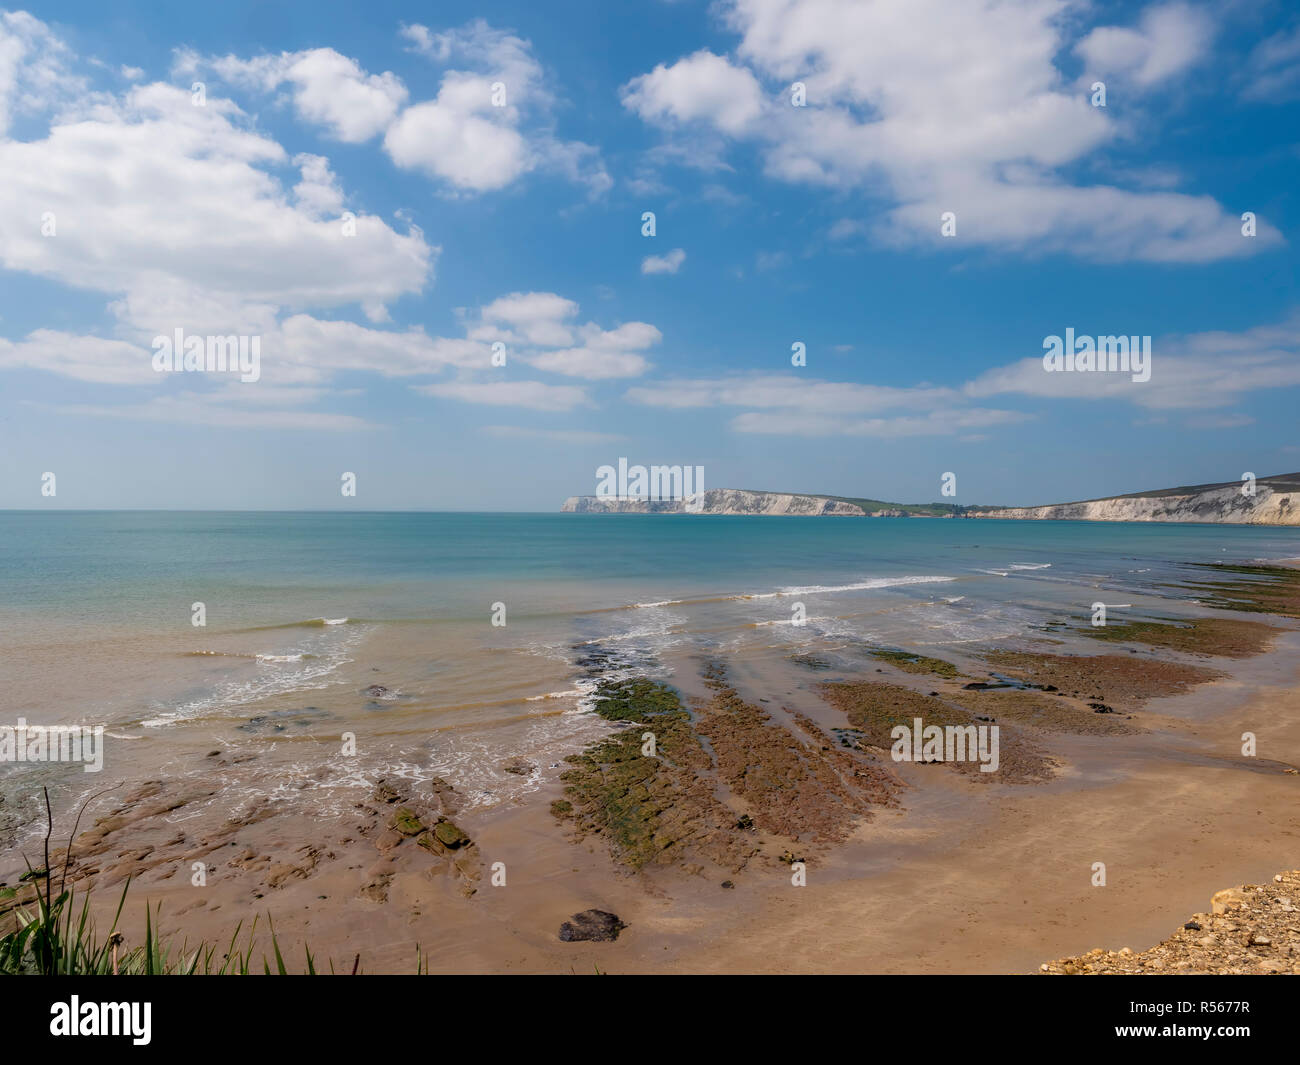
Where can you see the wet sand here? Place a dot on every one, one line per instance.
(959, 875)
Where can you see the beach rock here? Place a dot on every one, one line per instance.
(407, 823)
(446, 799)
(375, 691)
(388, 840)
(591, 926)
(520, 767)
(385, 793)
(1257, 937)
(449, 835)
(1227, 901)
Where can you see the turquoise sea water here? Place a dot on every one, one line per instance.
(132, 568)
(305, 611)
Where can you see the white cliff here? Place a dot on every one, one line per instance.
(719, 501)
(1276, 501)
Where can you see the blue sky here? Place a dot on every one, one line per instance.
(225, 214)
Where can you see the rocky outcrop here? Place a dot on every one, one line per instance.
(1249, 929)
(718, 501)
(1276, 501)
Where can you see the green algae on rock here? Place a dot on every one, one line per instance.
(650, 808)
(1225, 637)
(914, 663)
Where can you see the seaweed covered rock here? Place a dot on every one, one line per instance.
(591, 926)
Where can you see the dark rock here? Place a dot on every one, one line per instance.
(385, 792)
(1101, 708)
(591, 926)
(728, 884)
(1192, 926)
(376, 690)
(520, 767)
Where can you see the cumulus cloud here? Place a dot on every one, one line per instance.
(186, 217)
(327, 88)
(925, 121)
(540, 330)
(701, 86)
(176, 212)
(491, 121)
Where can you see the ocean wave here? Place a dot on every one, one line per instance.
(811, 589)
(296, 669)
(306, 623)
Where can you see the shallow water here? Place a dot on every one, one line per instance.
(304, 612)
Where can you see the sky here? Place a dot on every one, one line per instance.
(430, 221)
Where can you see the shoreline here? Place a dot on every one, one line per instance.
(956, 877)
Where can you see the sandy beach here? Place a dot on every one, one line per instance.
(907, 867)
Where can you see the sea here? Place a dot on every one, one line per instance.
(313, 653)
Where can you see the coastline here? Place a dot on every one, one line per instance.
(955, 876)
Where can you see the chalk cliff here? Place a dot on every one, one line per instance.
(719, 501)
(1276, 502)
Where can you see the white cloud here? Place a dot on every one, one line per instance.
(948, 105)
(86, 358)
(539, 325)
(461, 137)
(528, 317)
(701, 86)
(36, 68)
(798, 406)
(1169, 39)
(328, 89)
(467, 150)
(663, 264)
(175, 212)
(603, 354)
(1201, 371)
(490, 123)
